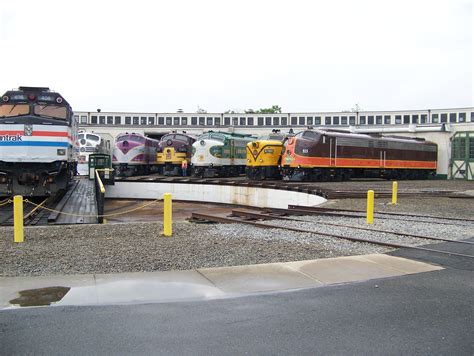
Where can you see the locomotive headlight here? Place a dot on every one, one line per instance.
(5, 98)
(61, 152)
(202, 142)
(255, 152)
(59, 100)
(21, 97)
(261, 161)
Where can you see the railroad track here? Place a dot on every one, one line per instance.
(248, 218)
(303, 210)
(306, 187)
(272, 216)
(356, 213)
(32, 214)
(36, 211)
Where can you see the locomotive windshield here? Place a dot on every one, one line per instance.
(128, 137)
(93, 137)
(311, 135)
(9, 110)
(211, 135)
(181, 138)
(53, 111)
(217, 137)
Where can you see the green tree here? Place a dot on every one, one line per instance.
(275, 109)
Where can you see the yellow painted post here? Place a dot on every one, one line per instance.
(18, 235)
(167, 215)
(394, 193)
(370, 207)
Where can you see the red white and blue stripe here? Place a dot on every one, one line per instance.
(41, 144)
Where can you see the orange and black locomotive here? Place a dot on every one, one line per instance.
(314, 155)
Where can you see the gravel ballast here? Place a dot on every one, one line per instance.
(134, 247)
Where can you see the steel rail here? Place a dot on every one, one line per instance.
(317, 208)
(238, 212)
(332, 213)
(220, 219)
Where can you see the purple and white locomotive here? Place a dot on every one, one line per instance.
(134, 154)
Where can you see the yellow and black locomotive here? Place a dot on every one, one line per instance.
(264, 157)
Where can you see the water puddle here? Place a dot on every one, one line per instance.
(116, 292)
(40, 297)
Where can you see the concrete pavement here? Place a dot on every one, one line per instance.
(200, 284)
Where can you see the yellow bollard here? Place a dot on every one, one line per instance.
(370, 207)
(18, 235)
(167, 215)
(394, 193)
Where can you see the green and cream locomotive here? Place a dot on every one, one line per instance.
(220, 154)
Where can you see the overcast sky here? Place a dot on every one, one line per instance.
(160, 56)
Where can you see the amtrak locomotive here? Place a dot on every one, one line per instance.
(37, 134)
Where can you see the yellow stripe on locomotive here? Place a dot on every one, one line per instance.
(263, 159)
(171, 156)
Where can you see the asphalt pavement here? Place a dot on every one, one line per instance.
(427, 313)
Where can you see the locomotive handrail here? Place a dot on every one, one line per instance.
(99, 180)
(99, 197)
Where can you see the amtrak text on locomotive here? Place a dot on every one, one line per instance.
(11, 138)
